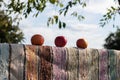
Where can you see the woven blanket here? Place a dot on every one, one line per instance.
(29, 62)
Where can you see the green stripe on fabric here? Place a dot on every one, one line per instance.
(112, 65)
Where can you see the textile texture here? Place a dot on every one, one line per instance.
(30, 62)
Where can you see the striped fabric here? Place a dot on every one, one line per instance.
(59, 63)
(103, 65)
(29, 62)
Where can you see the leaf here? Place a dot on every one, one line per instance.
(52, 21)
(37, 14)
(101, 19)
(113, 8)
(104, 15)
(52, 1)
(84, 5)
(61, 5)
(70, 3)
(56, 18)
(60, 11)
(64, 24)
(66, 10)
(28, 10)
(48, 22)
(60, 26)
(109, 16)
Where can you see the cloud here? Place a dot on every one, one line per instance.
(97, 6)
(74, 30)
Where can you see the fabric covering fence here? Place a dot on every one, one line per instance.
(29, 62)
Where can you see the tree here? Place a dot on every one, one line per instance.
(38, 6)
(111, 14)
(113, 40)
(9, 33)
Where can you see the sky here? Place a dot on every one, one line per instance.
(88, 29)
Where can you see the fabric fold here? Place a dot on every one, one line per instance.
(103, 64)
(45, 66)
(112, 65)
(59, 63)
(4, 61)
(94, 64)
(73, 64)
(85, 59)
(117, 65)
(31, 65)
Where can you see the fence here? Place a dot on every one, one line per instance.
(29, 62)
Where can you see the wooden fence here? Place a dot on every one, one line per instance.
(29, 62)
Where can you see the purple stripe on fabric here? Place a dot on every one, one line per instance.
(59, 63)
(103, 64)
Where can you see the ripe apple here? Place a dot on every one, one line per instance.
(37, 39)
(60, 41)
(82, 43)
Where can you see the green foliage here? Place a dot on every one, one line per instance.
(113, 40)
(79, 17)
(9, 33)
(54, 20)
(38, 6)
(110, 16)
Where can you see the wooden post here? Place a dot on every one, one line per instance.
(4, 61)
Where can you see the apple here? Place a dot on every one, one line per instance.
(81, 43)
(60, 41)
(37, 39)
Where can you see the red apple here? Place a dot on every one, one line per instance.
(81, 43)
(60, 41)
(37, 39)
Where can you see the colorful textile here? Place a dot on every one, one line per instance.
(103, 64)
(59, 63)
(30, 62)
(4, 61)
(45, 64)
(94, 64)
(117, 64)
(84, 64)
(73, 61)
(112, 65)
